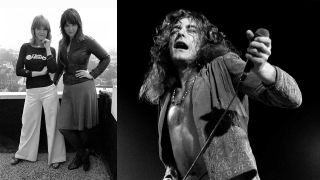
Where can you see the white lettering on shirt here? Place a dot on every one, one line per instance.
(35, 56)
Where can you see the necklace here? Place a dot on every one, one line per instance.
(186, 91)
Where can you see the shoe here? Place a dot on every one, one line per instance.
(85, 160)
(75, 163)
(15, 161)
(55, 165)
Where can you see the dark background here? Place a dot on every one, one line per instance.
(286, 143)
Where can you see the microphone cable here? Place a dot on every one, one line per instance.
(209, 139)
(244, 74)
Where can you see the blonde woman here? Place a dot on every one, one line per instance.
(37, 59)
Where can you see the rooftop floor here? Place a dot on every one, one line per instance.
(40, 170)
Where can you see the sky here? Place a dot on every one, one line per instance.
(99, 20)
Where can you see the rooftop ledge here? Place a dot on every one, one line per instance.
(22, 95)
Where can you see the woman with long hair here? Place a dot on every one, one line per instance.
(79, 105)
(37, 59)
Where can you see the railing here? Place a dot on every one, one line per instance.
(22, 95)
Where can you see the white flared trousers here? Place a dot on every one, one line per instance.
(37, 98)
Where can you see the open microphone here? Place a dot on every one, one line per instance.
(249, 65)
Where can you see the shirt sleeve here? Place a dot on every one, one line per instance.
(59, 71)
(51, 61)
(20, 67)
(283, 93)
(101, 54)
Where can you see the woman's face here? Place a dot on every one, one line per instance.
(40, 33)
(70, 29)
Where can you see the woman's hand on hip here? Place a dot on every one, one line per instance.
(83, 74)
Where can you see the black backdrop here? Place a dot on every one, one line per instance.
(286, 143)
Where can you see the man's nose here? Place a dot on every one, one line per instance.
(182, 32)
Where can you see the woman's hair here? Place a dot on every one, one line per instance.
(38, 22)
(70, 16)
(162, 75)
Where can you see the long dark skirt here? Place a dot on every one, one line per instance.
(79, 107)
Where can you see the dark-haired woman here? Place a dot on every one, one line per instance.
(79, 105)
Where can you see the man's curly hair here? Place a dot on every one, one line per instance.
(162, 75)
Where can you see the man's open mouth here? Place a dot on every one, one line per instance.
(180, 45)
